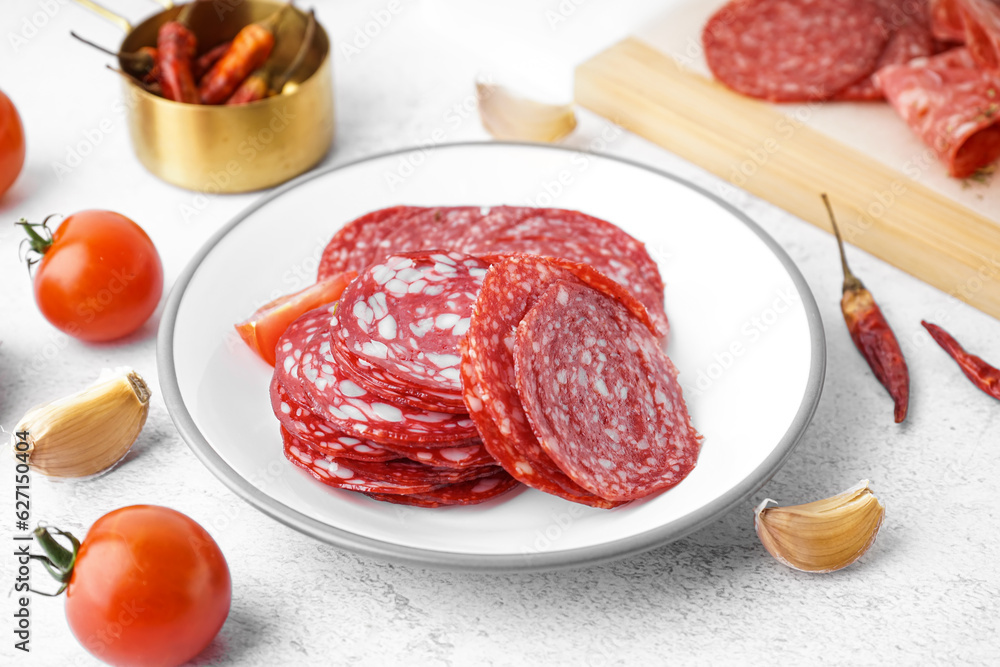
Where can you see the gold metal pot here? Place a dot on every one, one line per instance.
(233, 148)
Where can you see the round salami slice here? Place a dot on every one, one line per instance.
(340, 473)
(358, 412)
(468, 456)
(908, 25)
(357, 243)
(382, 384)
(793, 50)
(601, 397)
(509, 291)
(404, 471)
(291, 347)
(317, 433)
(472, 492)
(475, 231)
(615, 266)
(407, 314)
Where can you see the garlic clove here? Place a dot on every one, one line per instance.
(824, 535)
(88, 432)
(509, 117)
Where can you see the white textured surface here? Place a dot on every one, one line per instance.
(926, 593)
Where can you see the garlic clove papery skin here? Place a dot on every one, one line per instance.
(824, 535)
(88, 432)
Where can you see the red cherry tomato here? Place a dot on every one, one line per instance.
(11, 144)
(262, 330)
(99, 278)
(149, 587)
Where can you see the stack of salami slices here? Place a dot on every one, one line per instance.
(544, 324)
(368, 390)
(936, 61)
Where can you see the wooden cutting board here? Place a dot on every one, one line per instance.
(891, 195)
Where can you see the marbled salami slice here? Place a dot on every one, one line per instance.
(472, 492)
(291, 347)
(946, 21)
(407, 313)
(468, 456)
(360, 413)
(952, 104)
(910, 37)
(318, 434)
(614, 265)
(356, 243)
(509, 291)
(981, 19)
(475, 231)
(341, 473)
(793, 50)
(301, 422)
(382, 384)
(611, 416)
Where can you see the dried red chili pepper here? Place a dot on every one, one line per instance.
(250, 48)
(262, 83)
(176, 46)
(141, 63)
(205, 61)
(984, 376)
(255, 87)
(871, 333)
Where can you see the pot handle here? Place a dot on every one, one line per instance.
(119, 21)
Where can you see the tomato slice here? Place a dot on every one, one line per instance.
(262, 330)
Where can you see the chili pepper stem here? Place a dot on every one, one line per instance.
(307, 39)
(134, 59)
(271, 22)
(851, 282)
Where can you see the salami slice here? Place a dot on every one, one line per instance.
(952, 105)
(338, 473)
(382, 384)
(291, 347)
(407, 314)
(301, 422)
(476, 231)
(468, 456)
(395, 474)
(472, 492)
(793, 50)
(946, 21)
(509, 290)
(620, 269)
(357, 242)
(360, 413)
(908, 26)
(981, 19)
(317, 433)
(609, 414)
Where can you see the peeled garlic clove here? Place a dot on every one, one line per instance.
(821, 536)
(509, 117)
(88, 432)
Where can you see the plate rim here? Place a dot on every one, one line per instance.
(456, 561)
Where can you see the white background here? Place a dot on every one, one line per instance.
(926, 592)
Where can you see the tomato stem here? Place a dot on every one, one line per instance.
(58, 560)
(38, 242)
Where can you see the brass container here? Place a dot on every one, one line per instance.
(228, 149)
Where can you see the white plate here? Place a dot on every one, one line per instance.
(746, 336)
